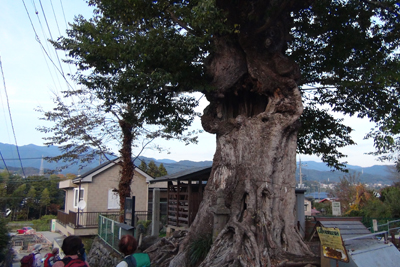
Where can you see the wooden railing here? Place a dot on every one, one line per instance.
(83, 219)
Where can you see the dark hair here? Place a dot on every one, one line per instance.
(71, 245)
(127, 244)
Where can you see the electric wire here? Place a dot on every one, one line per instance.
(59, 31)
(55, 18)
(45, 37)
(44, 49)
(9, 112)
(51, 36)
(65, 19)
(4, 162)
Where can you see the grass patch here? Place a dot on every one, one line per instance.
(199, 248)
(43, 224)
(87, 242)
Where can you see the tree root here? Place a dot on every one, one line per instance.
(162, 252)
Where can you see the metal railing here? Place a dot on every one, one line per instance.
(110, 229)
(390, 225)
(83, 219)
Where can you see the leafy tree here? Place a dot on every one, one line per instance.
(152, 169)
(258, 63)
(44, 201)
(161, 170)
(375, 208)
(362, 196)
(326, 207)
(3, 190)
(84, 129)
(4, 239)
(346, 191)
(17, 199)
(143, 166)
(31, 201)
(390, 196)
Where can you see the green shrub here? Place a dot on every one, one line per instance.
(4, 238)
(145, 223)
(87, 242)
(43, 224)
(199, 248)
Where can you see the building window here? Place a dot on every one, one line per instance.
(78, 197)
(113, 199)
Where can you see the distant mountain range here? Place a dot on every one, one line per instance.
(31, 156)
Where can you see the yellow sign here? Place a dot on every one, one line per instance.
(332, 243)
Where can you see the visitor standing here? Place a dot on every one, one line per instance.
(74, 251)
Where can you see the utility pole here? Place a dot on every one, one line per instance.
(41, 171)
(301, 179)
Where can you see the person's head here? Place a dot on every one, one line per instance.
(72, 245)
(127, 244)
(55, 251)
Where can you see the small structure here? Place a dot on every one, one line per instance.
(317, 195)
(307, 207)
(96, 189)
(363, 248)
(185, 193)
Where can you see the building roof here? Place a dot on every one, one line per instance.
(88, 176)
(363, 248)
(184, 175)
(349, 226)
(317, 195)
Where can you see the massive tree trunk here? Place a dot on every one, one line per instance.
(254, 112)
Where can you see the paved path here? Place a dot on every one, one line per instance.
(48, 235)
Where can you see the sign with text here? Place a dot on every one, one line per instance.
(332, 243)
(336, 209)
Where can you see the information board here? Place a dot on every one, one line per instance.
(336, 211)
(332, 243)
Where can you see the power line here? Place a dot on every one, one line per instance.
(44, 49)
(23, 158)
(55, 17)
(9, 112)
(44, 35)
(51, 36)
(5, 165)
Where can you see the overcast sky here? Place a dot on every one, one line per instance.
(30, 79)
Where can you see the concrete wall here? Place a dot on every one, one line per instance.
(307, 212)
(68, 230)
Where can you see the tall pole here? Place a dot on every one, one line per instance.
(79, 199)
(301, 179)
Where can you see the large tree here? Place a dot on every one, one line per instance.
(266, 67)
(85, 128)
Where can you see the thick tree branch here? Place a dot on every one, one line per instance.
(180, 23)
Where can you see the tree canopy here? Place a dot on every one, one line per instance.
(347, 52)
(266, 67)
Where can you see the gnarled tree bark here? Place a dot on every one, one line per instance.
(254, 113)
